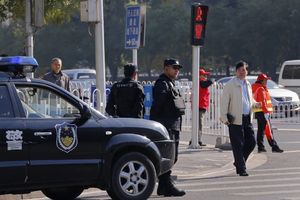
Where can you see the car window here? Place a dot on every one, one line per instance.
(70, 75)
(6, 109)
(224, 80)
(86, 76)
(270, 84)
(291, 72)
(43, 103)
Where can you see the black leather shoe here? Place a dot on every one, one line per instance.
(276, 149)
(244, 173)
(173, 191)
(260, 150)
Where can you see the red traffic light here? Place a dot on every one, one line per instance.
(198, 25)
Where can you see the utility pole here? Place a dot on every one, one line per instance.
(29, 35)
(100, 60)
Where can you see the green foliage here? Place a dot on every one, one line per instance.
(262, 32)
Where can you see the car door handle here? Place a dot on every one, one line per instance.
(42, 133)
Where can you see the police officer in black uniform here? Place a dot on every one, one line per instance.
(167, 108)
(126, 98)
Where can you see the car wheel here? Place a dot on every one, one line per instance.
(133, 178)
(62, 193)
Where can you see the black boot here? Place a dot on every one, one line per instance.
(172, 190)
(276, 149)
(161, 188)
(261, 149)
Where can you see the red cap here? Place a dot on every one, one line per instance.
(203, 72)
(262, 77)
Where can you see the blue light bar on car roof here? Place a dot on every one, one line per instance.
(18, 64)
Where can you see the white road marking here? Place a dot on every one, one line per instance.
(247, 187)
(290, 142)
(276, 169)
(267, 193)
(238, 182)
(290, 130)
(292, 151)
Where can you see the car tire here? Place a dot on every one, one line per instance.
(133, 177)
(69, 193)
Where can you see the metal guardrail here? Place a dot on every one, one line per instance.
(212, 124)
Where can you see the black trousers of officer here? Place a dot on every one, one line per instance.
(261, 125)
(242, 140)
(174, 135)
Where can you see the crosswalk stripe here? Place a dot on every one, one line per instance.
(276, 169)
(293, 151)
(268, 193)
(237, 182)
(275, 174)
(247, 187)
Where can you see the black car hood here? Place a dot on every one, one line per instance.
(148, 128)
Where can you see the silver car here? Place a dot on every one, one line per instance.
(283, 100)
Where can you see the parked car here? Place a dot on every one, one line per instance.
(80, 74)
(81, 81)
(282, 99)
(52, 141)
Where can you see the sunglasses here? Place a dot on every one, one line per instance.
(176, 67)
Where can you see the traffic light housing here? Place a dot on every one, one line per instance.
(199, 16)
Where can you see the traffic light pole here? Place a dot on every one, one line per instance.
(100, 61)
(135, 57)
(195, 96)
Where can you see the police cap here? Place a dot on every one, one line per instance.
(172, 62)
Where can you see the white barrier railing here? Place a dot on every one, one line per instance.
(212, 125)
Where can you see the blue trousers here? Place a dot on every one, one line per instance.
(243, 142)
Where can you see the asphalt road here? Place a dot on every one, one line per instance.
(273, 176)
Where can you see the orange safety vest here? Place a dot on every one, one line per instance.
(261, 94)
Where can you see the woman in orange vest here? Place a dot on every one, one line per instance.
(261, 94)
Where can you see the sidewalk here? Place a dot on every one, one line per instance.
(208, 161)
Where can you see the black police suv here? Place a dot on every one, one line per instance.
(52, 141)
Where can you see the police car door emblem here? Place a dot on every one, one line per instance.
(66, 137)
(14, 140)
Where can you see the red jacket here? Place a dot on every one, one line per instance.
(261, 94)
(204, 95)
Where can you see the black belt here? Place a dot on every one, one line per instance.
(246, 115)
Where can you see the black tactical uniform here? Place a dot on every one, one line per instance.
(168, 108)
(163, 107)
(126, 99)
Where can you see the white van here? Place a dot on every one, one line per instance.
(289, 75)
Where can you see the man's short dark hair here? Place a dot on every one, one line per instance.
(129, 69)
(241, 64)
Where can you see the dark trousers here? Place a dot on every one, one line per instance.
(174, 135)
(261, 125)
(242, 141)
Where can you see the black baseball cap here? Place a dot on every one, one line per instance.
(129, 69)
(172, 61)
